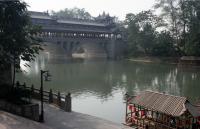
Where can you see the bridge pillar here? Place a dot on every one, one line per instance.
(69, 48)
(115, 48)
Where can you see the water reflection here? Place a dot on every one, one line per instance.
(100, 84)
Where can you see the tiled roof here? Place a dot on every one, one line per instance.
(46, 16)
(39, 15)
(81, 23)
(168, 104)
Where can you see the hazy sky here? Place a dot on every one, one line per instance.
(118, 8)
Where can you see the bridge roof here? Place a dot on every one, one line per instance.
(39, 15)
(46, 16)
(81, 23)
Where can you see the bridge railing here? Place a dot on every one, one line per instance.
(62, 102)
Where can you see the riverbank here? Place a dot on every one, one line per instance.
(168, 60)
(57, 119)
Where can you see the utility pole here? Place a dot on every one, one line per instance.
(47, 78)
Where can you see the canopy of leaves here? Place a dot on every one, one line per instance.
(142, 32)
(192, 22)
(164, 45)
(180, 19)
(16, 34)
(143, 18)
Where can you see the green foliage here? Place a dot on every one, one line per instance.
(192, 23)
(72, 13)
(182, 29)
(16, 34)
(164, 45)
(142, 32)
(133, 35)
(16, 95)
(148, 36)
(170, 11)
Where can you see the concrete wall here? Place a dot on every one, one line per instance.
(30, 111)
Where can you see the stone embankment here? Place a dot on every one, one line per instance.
(168, 60)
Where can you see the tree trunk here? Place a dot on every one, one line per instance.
(14, 73)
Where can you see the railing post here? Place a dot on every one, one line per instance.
(17, 84)
(68, 103)
(59, 100)
(50, 96)
(24, 86)
(40, 93)
(32, 91)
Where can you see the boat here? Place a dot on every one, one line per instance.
(154, 110)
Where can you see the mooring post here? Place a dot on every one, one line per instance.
(32, 91)
(50, 96)
(17, 84)
(24, 86)
(126, 115)
(59, 100)
(68, 103)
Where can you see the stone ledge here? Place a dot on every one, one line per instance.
(30, 111)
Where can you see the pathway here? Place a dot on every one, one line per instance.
(57, 119)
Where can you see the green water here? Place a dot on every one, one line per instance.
(98, 86)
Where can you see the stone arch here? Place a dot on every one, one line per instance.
(79, 49)
(90, 50)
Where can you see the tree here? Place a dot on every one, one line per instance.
(142, 31)
(72, 13)
(192, 34)
(170, 11)
(17, 39)
(181, 22)
(133, 34)
(184, 23)
(148, 37)
(164, 45)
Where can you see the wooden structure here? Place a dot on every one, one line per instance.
(153, 110)
(63, 102)
(100, 36)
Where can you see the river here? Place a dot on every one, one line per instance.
(98, 86)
